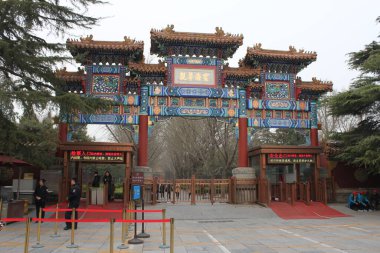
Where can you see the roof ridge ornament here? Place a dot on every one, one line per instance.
(169, 29)
(128, 39)
(219, 31)
(87, 38)
(257, 46)
(292, 49)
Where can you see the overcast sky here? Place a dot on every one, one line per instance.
(332, 28)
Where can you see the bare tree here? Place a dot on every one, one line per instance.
(331, 124)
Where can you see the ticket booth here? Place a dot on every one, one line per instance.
(280, 166)
(95, 153)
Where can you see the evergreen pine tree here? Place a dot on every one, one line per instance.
(361, 146)
(28, 60)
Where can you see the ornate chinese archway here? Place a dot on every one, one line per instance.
(194, 80)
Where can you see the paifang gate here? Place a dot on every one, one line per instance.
(193, 79)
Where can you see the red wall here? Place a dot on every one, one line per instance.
(346, 176)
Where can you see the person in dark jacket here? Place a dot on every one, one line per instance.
(162, 191)
(40, 196)
(107, 180)
(74, 201)
(96, 180)
(168, 190)
(374, 199)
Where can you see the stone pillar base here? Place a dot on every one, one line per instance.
(244, 173)
(245, 193)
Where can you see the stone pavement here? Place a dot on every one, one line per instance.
(218, 228)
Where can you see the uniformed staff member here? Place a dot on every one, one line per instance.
(40, 196)
(74, 200)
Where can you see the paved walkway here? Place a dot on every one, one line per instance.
(219, 228)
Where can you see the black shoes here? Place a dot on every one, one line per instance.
(67, 228)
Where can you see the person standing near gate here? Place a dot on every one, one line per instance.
(168, 191)
(40, 196)
(74, 201)
(177, 190)
(96, 180)
(107, 180)
(162, 191)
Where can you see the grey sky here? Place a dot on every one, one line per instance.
(331, 28)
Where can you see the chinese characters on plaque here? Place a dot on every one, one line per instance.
(279, 158)
(194, 76)
(96, 156)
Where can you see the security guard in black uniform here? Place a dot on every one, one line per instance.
(74, 200)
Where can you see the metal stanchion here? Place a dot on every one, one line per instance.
(164, 245)
(171, 235)
(72, 243)
(112, 221)
(135, 240)
(123, 225)
(143, 234)
(130, 227)
(27, 232)
(55, 235)
(38, 244)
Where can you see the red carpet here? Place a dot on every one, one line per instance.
(110, 206)
(116, 205)
(300, 210)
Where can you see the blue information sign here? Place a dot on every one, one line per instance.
(136, 190)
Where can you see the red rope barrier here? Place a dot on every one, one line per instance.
(143, 221)
(144, 211)
(59, 209)
(13, 219)
(100, 210)
(97, 220)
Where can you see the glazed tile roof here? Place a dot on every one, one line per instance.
(73, 76)
(241, 72)
(291, 56)
(169, 37)
(147, 68)
(314, 85)
(88, 43)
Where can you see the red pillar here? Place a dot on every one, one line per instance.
(62, 137)
(243, 143)
(62, 132)
(314, 137)
(143, 141)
